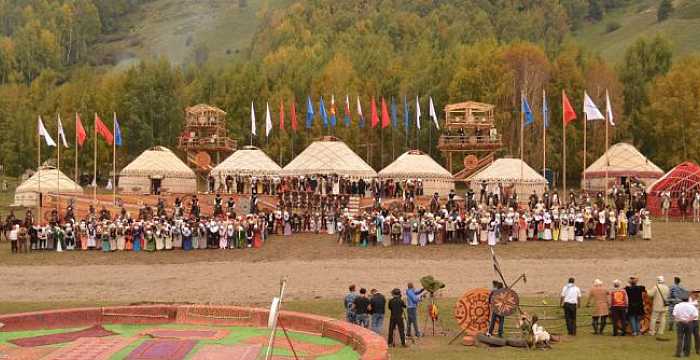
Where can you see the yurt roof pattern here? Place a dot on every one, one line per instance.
(328, 157)
(248, 161)
(508, 170)
(51, 179)
(415, 164)
(158, 161)
(684, 177)
(623, 159)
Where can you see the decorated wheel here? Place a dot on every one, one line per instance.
(472, 311)
(203, 159)
(504, 302)
(470, 161)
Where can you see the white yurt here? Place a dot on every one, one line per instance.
(157, 170)
(513, 173)
(329, 156)
(47, 180)
(415, 164)
(248, 161)
(622, 163)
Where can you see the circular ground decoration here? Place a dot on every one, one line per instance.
(504, 302)
(472, 310)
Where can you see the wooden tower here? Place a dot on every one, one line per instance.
(470, 130)
(204, 138)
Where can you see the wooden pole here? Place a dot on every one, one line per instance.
(585, 142)
(94, 164)
(114, 160)
(522, 135)
(38, 171)
(607, 161)
(58, 164)
(77, 180)
(544, 135)
(563, 148)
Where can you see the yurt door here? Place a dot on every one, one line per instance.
(155, 186)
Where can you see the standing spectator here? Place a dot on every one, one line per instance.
(497, 285)
(685, 315)
(377, 307)
(13, 236)
(599, 297)
(677, 293)
(413, 297)
(570, 300)
(618, 309)
(396, 306)
(348, 301)
(659, 296)
(635, 310)
(361, 308)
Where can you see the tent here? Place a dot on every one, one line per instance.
(47, 180)
(623, 163)
(513, 173)
(157, 170)
(329, 156)
(415, 164)
(248, 161)
(683, 177)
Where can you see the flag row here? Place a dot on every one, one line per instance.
(590, 110)
(382, 113)
(113, 137)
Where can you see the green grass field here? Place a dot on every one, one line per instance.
(638, 20)
(585, 346)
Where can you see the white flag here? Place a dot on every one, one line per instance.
(417, 113)
(608, 109)
(252, 119)
(268, 121)
(42, 132)
(359, 109)
(433, 114)
(61, 134)
(590, 109)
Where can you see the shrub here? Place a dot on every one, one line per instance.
(612, 26)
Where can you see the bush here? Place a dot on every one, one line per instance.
(664, 11)
(612, 26)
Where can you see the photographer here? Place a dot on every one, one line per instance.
(414, 299)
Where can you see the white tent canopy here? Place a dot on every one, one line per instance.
(326, 157)
(507, 172)
(47, 180)
(415, 164)
(157, 163)
(621, 160)
(249, 161)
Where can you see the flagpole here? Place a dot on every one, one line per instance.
(544, 135)
(94, 164)
(77, 181)
(607, 162)
(585, 126)
(38, 172)
(563, 148)
(522, 135)
(58, 164)
(114, 160)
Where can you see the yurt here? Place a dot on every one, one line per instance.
(248, 161)
(683, 177)
(157, 170)
(507, 172)
(47, 180)
(415, 164)
(623, 163)
(326, 157)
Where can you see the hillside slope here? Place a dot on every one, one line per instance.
(639, 20)
(175, 29)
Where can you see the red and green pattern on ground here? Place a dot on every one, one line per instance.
(133, 341)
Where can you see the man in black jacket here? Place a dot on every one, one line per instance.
(396, 307)
(377, 306)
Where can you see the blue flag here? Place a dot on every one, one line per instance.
(545, 109)
(117, 132)
(527, 111)
(309, 113)
(406, 115)
(322, 112)
(394, 119)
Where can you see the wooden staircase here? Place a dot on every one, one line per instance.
(465, 173)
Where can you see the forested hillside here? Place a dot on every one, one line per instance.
(483, 50)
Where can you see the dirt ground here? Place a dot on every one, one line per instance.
(319, 268)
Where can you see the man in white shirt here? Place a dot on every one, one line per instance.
(685, 316)
(570, 300)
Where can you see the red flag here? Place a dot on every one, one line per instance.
(569, 113)
(80, 133)
(375, 117)
(281, 114)
(103, 130)
(294, 116)
(385, 115)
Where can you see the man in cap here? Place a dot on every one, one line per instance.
(396, 306)
(659, 295)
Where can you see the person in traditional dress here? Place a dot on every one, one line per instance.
(150, 239)
(665, 203)
(484, 226)
(602, 224)
(612, 224)
(579, 227)
(646, 225)
(59, 237)
(257, 235)
(136, 237)
(287, 223)
(422, 233)
(186, 233)
(112, 228)
(105, 237)
(547, 223)
(564, 228)
(121, 238)
(405, 230)
(70, 236)
(222, 243)
(176, 231)
(491, 233)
